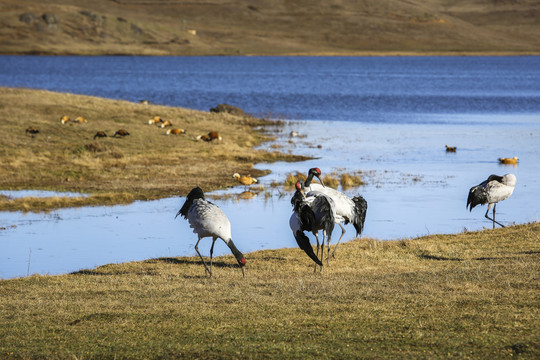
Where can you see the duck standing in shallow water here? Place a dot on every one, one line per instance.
(245, 179)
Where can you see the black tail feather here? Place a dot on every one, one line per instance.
(360, 210)
(303, 242)
(477, 196)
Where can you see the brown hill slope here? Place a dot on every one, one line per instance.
(248, 27)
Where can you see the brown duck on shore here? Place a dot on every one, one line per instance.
(176, 131)
(212, 135)
(155, 120)
(121, 133)
(166, 123)
(100, 134)
(32, 131)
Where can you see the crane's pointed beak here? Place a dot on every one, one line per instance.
(322, 182)
(243, 272)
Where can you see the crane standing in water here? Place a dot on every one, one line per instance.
(491, 191)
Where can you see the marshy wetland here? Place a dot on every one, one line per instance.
(356, 116)
(413, 188)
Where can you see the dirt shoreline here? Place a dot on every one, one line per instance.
(296, 54)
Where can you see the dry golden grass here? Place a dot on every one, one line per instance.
(348, 180)
(291, 179)
(331, 180)
(146, 164)
(472, 295)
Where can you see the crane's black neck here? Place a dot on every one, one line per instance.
(496, 178)
(194, 194)
(307, 183)
(237, 254)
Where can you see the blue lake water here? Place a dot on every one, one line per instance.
(389, 117)
(365, 89)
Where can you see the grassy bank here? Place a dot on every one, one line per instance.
(470, 295)
(146, 164)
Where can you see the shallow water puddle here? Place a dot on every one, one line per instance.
(16, 194)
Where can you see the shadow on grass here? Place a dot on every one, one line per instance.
(98, 272)
(435, 257)
(428, 256)
(182, 261)
(167, 260)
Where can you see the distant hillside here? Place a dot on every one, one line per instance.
(270, 27)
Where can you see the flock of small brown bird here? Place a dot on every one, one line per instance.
(100, 134)
(504, 161)
(156, 120)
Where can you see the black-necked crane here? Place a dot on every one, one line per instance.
(312, 212)
(490, 191)
(348, 210)
(208, 220)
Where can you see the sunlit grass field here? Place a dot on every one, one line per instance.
(470, 295)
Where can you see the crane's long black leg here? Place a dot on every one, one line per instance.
(212, 253)
(318, 246)
(197, 250)
(494, 222)
(322, 249)
(328, 240)
(342, 233)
